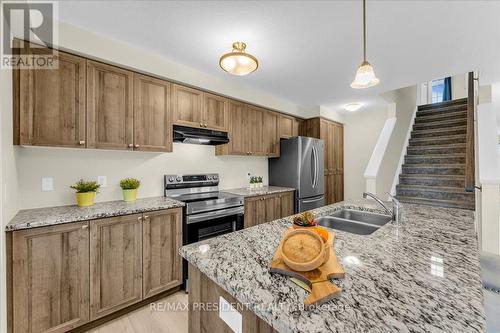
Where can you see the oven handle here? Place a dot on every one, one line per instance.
(213, 215)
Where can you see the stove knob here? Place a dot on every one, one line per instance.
(171, 179)
(209, 177)
(178, 178)
(215, 177)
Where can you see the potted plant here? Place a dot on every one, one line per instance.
(129, 188)
(85, 192)
(253, 182)
(259, 179)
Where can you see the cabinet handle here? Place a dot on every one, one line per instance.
(81, 142)
(146, 217)
(201, 124)
(85, 226)
(206, 125)
(130, 145)
(136, 146)
(139, 218)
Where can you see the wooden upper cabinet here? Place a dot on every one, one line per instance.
(256, 131)
(51, 278)
(50, 104)
(270, 136)
(152, 116)
(162, 237)
(187, 105)
(109, 107)
(288, 126)
(215, 112)
(239, 135)
(115, 264)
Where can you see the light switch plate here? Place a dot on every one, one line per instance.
(230, 315)
(47, 184)
(102, 180)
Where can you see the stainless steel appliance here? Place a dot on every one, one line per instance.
(208, 212)
(200, 136)
(301, 166)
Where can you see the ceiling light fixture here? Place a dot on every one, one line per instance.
(352, 107)
(238, 62)
(365, 76)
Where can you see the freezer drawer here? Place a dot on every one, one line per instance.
(309, 203)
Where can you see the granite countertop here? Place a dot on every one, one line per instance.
(246, 192)
(40, 217)
(420, 276)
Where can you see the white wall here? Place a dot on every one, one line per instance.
(361, 131)
(405, 100)
(68, 165)
(459, 86)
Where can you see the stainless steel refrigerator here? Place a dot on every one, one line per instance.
(301, 166)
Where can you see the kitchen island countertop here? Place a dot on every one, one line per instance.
(420, 276)
(265, 190)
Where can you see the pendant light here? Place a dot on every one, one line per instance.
(238, 62)
(365, 76)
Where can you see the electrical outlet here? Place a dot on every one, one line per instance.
(47, 184)
(102, 180)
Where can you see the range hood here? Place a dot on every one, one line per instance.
(199, 136)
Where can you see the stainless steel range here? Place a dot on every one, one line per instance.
(208, 212)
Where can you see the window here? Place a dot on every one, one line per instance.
(437, 90)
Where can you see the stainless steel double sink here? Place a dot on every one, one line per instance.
(354, 221)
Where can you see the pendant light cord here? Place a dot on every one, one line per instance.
(364, 30)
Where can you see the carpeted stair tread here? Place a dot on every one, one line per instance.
(438, 132)
(444, 109)
(460, 101)
(444, 123)
(435, 202)
(441, 116)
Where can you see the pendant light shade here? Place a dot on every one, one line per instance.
(365, 75)
(238, 62)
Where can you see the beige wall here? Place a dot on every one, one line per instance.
(68, 165)
(361, 131)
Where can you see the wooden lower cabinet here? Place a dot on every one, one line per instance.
(267, 208)
(64, 276)
(203, 291)
(115, 264)
(162, 237)
(50, 278)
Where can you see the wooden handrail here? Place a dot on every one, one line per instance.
(469, 148)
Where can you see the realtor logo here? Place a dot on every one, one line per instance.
(29, 31)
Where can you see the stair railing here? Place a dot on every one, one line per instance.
(469, 148)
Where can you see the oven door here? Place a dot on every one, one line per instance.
(199, 227)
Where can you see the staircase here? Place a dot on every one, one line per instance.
(433, 172)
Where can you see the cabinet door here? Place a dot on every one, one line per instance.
(187, 104)
(272, 208)
(339, 163)
(152, 118)
(286, 126)
(330, 189)
(215, 112)
(52, 104)
(50, 278)
(162, 237)
(239, 135)
(256, 119)
(115, 264)
(297, 123)
(270, 137)
(255, 211)
(287, 204)
(109, 106)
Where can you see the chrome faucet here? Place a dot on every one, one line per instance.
(395, 212)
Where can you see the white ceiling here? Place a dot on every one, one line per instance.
(309, 50)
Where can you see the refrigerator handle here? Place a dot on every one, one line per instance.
(313, 167)
(317, 167)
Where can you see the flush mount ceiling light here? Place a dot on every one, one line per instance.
(238, 62)
(365, 76)
(352, 107)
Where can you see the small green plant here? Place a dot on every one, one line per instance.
(130, 183)
(83, 186)
(259, 179)
(253, 180)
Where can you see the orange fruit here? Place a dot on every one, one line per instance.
(322, 232)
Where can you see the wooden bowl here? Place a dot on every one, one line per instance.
(303, 250)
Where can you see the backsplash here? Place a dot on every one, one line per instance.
(66, 166)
